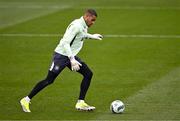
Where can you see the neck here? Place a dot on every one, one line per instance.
(85, 20)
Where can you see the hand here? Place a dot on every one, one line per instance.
(75, 65)
(97, 36)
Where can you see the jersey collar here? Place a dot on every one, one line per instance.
(83, 22)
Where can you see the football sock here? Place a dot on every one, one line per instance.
(79, 101)
(27, 99)
(85, 83)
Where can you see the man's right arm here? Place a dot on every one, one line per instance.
(69, 36)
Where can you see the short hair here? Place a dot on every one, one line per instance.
(91, 11)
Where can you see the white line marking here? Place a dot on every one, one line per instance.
(143, 36)
(106, 35)
(30, 35)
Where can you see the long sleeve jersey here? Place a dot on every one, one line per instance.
(72, 41)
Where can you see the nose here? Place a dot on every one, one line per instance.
(93, 22)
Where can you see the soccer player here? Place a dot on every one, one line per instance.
(65, 56)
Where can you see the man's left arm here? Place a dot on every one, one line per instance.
(94, 36)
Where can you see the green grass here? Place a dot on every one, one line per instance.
(142, 72)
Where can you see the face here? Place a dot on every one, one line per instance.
(90, 20)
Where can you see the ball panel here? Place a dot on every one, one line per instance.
(117, 106)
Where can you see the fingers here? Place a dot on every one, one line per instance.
(75, 68)
(75, 65)
(79, 63)
(98, 36)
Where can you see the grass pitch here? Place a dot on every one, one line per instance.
(137, 61)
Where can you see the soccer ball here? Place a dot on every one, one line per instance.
(117, 106)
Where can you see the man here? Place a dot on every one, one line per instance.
(65, 56)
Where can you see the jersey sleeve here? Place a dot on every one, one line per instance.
(69, 36)
(88, 36)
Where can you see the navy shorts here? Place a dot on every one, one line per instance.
(59, 62)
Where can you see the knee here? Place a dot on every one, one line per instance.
(50, 82)
(47, 82)
(50, 78)
(88, 75)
